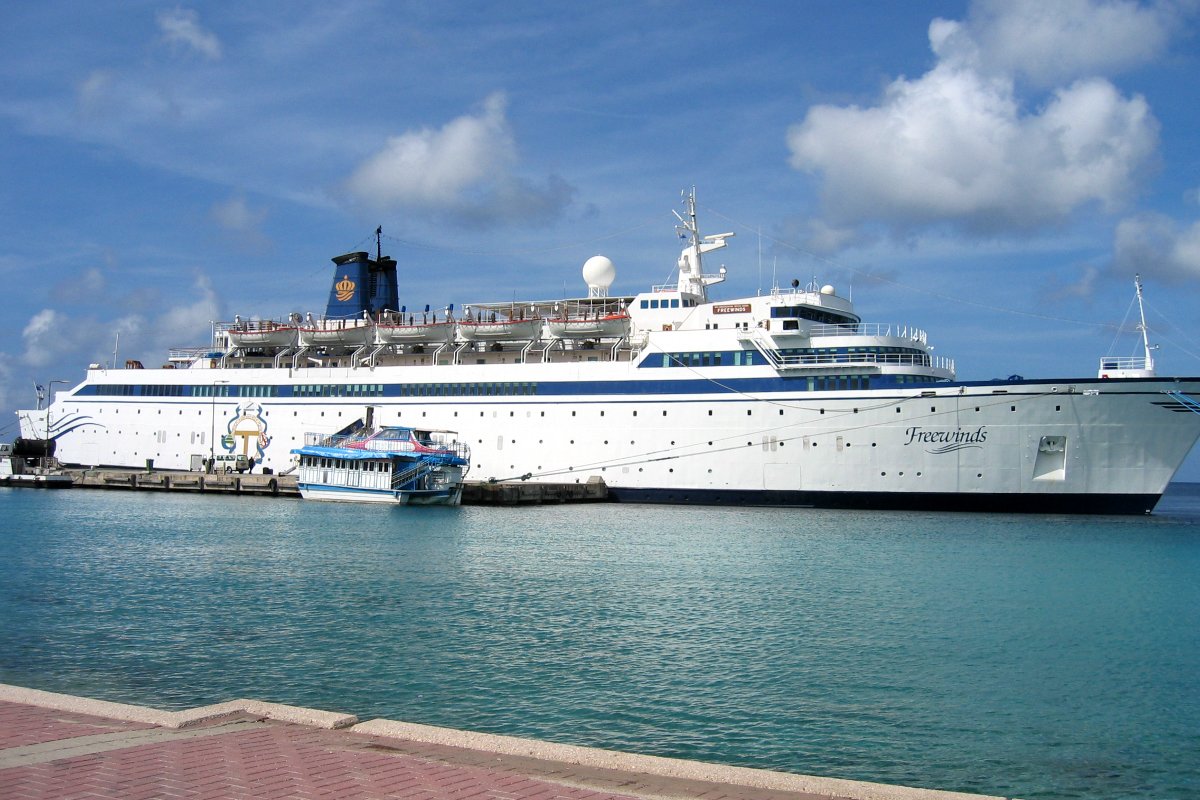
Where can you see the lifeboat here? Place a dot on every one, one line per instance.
(262, 334)
(613, 326)
(336, 333)
(417, 333)
(500, 330)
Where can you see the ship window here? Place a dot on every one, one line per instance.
(645, 304)
(674, 304)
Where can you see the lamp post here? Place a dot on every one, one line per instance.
(212, 426)
(50, 395)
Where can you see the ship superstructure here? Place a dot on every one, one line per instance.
(786, 398)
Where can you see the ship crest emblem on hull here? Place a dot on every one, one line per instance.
(246, 434)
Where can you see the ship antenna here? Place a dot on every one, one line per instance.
(379, 243)
(1137, 282)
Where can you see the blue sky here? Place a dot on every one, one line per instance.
(994, 172)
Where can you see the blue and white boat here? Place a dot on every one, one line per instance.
(393, 464)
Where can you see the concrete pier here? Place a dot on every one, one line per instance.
(57, 746)
(480, 493)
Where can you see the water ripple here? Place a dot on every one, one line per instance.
(1045, 657)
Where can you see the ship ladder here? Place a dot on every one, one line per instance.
(1184, 400)
(401, 480)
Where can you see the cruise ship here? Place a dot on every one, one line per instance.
(667, 396)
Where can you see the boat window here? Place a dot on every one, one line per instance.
(645, 304)
(674, 304)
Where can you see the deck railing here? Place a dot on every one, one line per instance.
(869, 329)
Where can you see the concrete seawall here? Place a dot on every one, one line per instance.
(479, 493)
(56, 745)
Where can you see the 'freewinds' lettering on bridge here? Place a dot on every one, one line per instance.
(950, 440)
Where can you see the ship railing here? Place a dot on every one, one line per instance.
(785, 361)
(401, 479)
(357, 441)
(252, 325)
(869, 329)
(874, 359)
(1123, 362)
(191, 353)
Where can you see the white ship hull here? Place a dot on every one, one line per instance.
(1086, 445)
(785, 398)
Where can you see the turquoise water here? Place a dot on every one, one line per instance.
(1042, 657)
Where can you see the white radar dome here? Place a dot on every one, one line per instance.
(827, 289)
(599, 271)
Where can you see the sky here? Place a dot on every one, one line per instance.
(992, 172)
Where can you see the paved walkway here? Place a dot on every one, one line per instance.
(58, 746)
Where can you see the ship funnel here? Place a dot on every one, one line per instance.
(362, 285)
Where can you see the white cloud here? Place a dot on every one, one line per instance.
(465, 168)
(189, 322)
(1155, 244)
(181, 27)
(48, 336)
(955, 147)
(54, 337)
(1054, 42)
(241, 222)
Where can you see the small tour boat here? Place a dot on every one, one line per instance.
(392, 464)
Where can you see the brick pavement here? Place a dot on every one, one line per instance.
(51, 753)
